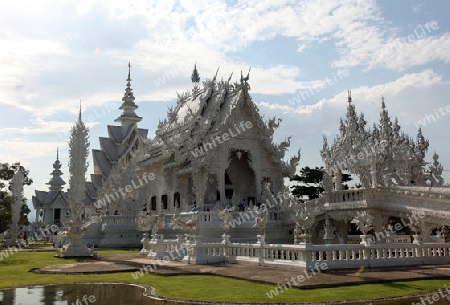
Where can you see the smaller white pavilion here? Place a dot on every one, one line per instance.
(51, 206)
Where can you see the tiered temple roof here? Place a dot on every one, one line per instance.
(120, 141)
(43, 199)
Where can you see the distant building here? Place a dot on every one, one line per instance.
(52, 206)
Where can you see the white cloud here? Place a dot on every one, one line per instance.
(38, 126)
(170, 35)
(323, 117)
(368, 46)
(21, 150)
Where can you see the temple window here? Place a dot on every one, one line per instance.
(164, 202)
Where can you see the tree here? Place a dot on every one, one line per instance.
(311, 180)
(6, 174)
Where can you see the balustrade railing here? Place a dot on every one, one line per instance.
(391, 239)
(347, 195)
(335, 256)
(396, 239)
(119, 219)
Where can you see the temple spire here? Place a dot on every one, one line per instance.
(349, 96)
(129, 72)
(56, 182)
(79, 113)
(128, 116)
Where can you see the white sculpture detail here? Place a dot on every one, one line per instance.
(187, 222)
(125, 188)
(329, 229)
(261, 217)
(363, 221)
(304, 217)
(392, 156)
(226, 217)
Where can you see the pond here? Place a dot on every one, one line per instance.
(118, 294)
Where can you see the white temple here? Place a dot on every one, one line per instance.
(213, 149)
(210, 185)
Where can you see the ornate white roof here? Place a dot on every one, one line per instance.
(203, 113)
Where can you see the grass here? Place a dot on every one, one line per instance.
(14, 272)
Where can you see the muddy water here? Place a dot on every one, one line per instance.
(118, 294)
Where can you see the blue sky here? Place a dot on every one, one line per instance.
(54, 53)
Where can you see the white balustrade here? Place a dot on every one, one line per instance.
(119, 219)
(346, 195)
(307, 255)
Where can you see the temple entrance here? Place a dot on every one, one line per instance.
(239, 178)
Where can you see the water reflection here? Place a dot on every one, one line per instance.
(77, 294)
(121, 294)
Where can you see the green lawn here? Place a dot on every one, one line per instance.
(14, 272)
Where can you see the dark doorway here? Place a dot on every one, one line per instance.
(57, 215)
(153, 202)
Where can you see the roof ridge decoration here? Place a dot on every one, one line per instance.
(203, 111)
(128, 106)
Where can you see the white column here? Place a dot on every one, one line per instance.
(170, 201)
(158, 203)
(257, 187)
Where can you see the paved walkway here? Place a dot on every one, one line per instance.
(133, 262)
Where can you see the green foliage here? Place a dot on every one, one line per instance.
(311, 180)
(5, 210)
(24, 211)
(7, 172)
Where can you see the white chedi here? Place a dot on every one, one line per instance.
(78, 153)
(16, 206)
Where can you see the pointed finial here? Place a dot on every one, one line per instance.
(231, 75)
(383, 106)
(349, 96)
(245, 79)
(79, 113)
(215, 76)
(129, 70)
(57, 153)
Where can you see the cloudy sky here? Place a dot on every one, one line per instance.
(304, 56)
